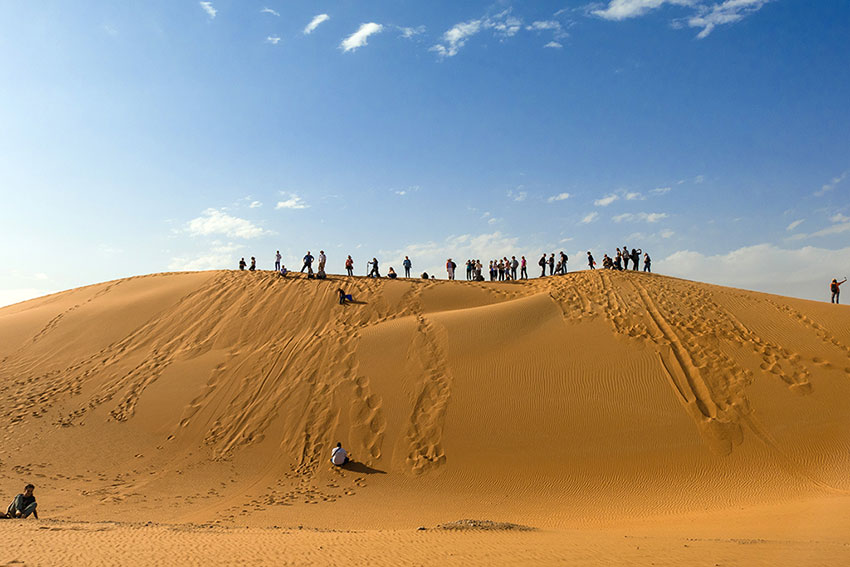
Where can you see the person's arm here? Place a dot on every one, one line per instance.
(842, 281)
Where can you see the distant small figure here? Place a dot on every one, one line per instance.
(647, 263)
(523, 268)
(308, 263)
(424, 276)
(625, 258)
(322, 260)
(407, 265)
(349, 265)
(636, 258)
(552, 264)
(253, 264)
(277, 258)
(469, 268)
(339, 456)
(618, 260)
(283, 271)
(374, 273)
(590, 261)
(23, 505)
(242, 264)
(514, 266)
(542, 263)
(501, 267)
(835, 288)
(391, 274)
(564, 259)
(450, 268)
(607, 263)
(341, 293)
(321, 275)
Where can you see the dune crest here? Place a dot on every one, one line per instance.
(564, 399)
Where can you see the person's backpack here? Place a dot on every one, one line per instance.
(542, 261)
(834, 287)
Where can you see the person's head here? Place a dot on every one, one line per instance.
(28, 489)
(834, 280)
(339, 444)
(308, 252)
(321, 251)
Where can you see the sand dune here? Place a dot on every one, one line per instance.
(588, 401)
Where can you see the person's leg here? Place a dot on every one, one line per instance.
(28, 510)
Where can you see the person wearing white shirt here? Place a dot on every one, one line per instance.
(339, 456)
(322, 260)
(277, 258)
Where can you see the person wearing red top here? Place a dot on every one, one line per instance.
(835, 288)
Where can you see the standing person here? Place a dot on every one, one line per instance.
(450, 268)
(468, 269)
(514, 266)
(552, 264)
(407, 265)
(374, 273)
(23, 505)
(253, 264)
(523, 268)
(501, 267)
(277, 258)
(647, 263)
(564, 259)
(322, 260)
(835, 288)
(478, 268)
(349, 265)
(492, 271)
(625, 257)
(542, 263)
(636, 258)
(308, 263)
(242, 264)
(590, 261)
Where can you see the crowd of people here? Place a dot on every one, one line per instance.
(620, 260)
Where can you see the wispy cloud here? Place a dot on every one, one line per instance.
(273, 39)
(269, 11)
(503, 24)
(255, 205)
(292, 202)
(518, 195)
(633, 196)
(589, 217)
(625, 9)
(606, 200)
(409, 33)
(661, 190)
(544, 25)
(558, 197)
(640, 217)
(217, 221)
(316, 22)
(208, 8)
(833, 183)
(794, 224)
(358, 38)
(727, 12)
(553, 45)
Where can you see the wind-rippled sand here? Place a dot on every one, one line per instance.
(630, 418)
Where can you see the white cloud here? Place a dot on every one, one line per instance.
(219, 257)
(456, 37)
(834, 229)
(803, 272)
(255, 205)
(544, 25)
(518, 196)
(661, 190)
(269, 11)
(553, 45)
(727, 12)
(408, 33)
(666, 233)
(273, 39)
(208, 8)
(606, 200)
(640, 217)
(838, 217)
(558, 197)
(794, 224)
(216, 221)
(827, 187)
(315, 22)
(633, 196)
(358, 38)
(624, 9)
(293, 202)
(589, 218)
(508, 27)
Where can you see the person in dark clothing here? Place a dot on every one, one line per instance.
(625, 258)
(341, 293)
(835, 288)
(590, 261)
(552, 264)
(647, 263)
(374, 273)
(253, 264)
(242, 264)
(636, 258)
(618, 259)
(407, 264)
(564, 259)
(23, 505)
(308, 263)
(542, 263)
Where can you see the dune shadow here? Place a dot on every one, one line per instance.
(357, 467)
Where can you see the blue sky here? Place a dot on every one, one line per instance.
(140, 137)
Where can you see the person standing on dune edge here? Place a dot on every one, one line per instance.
(835, 288)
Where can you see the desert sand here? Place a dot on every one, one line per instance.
(628, 418)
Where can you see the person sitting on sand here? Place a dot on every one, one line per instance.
(835, 288)
(253, 264)
(391, 274)
(339, 456)
(283, 271)
(23, 505)
(341, 293)
(242, 264)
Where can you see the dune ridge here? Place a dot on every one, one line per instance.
(564, 401)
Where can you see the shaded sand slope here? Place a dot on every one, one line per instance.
(596, 396)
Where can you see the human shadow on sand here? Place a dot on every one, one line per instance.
(357, 467)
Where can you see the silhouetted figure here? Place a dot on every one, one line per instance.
(590, 261)
(835, 288)
(242, 264)
(253, 264)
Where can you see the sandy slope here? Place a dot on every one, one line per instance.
(591, 401)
